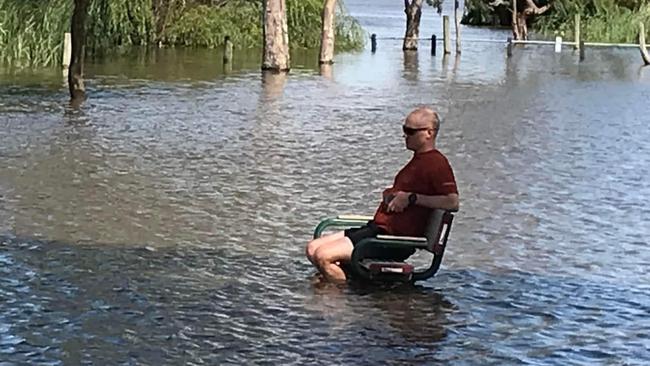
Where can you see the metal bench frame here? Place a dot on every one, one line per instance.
(434, 241)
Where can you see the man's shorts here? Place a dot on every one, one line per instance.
(371, 230)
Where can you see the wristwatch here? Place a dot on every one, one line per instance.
(413, 197)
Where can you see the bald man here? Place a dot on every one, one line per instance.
(426, 182)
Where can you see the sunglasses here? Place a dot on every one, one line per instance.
(409, 131)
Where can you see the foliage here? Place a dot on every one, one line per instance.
(601, 20)
(31, 31)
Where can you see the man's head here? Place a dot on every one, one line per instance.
(420, 129)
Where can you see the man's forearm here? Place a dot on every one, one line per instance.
(446, 202)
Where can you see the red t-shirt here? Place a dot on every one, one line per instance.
(427, 173)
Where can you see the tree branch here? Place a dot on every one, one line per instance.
(533, 9)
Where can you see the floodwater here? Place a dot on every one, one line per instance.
(165, 221)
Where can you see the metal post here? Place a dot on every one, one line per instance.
(558, 44)
(433, 44)
(373, 43)
(509, 48)
(582, 51)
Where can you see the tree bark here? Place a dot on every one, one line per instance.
(276, 36)
(515, 22)
(644, 50)
(75, 71)
(457, 21)
(413, 10)
(328, 33)
(520, 18)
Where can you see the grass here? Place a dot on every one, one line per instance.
(615, 21)
(31, 31)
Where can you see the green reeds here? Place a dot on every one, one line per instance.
(31, 32)
(615, 21)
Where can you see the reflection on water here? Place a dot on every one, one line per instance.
(165, 221)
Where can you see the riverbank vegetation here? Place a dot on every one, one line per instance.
(614, 21)
(601, 20)
(31, 32)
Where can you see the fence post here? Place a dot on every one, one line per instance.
(509, 48)
(558, 44)
(445, 32)
(373, 43)
(433, 45)
(227, 50)
(577, 31)
(67, 50)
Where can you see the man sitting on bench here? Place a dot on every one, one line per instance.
(426, 182)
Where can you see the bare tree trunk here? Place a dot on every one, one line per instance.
(457, 21)
(644, 50)
(413, 10)
(276, 36)
(328, 32)
(76, 69)
(522, 25)
(516, 34)
(520, 18)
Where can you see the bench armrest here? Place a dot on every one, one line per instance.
(402, 238)
(341, 221)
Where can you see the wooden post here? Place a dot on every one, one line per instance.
(457, 20)
(327, 33)
(76, 69)
(227, 50)
(433, 44)
(373, 43)
(445, 33)
(576, 33)
(509, 48)
(275, 35)
(644, 50)
(67, 50)
(582, 51)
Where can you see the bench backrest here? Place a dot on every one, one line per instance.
(438, 229)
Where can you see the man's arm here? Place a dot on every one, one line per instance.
(446, 202)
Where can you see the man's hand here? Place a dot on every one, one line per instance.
(399, 202)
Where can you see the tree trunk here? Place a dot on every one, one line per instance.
(516, 35)
(520, 18)
(76, 69)
(644, 50)
(276, 36)
(413, 10)
(522, 25)
(457, 21)
(328, 32)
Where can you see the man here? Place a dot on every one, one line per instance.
(425, 183)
